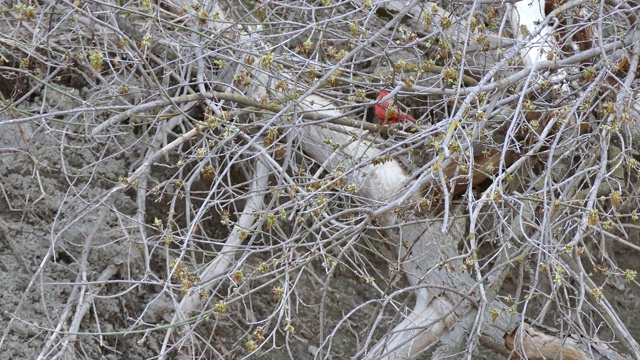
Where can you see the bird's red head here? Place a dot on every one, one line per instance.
(383, 93)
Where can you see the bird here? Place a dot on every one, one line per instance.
(388, 113)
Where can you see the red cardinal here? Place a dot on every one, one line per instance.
(388, 113)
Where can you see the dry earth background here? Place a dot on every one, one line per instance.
(95, 265)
